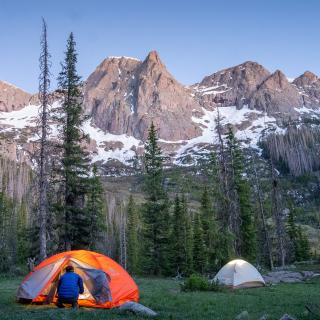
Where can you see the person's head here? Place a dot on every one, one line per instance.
(69, 269)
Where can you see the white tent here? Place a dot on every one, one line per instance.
(239, 274)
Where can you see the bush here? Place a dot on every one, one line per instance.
(199, 283)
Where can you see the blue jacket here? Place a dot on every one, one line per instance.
(70, 285)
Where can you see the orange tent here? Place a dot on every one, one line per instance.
(106, 283)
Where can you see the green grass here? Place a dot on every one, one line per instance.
(164, 296)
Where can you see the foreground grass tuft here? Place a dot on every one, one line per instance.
(164, 296)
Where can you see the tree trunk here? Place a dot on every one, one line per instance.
(280, 230)
(43, 161)
(262, 216)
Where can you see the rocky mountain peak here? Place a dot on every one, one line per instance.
(232, 86)
(277, 96)
(12, 98)
(306, 79)
(125, 95)
(276, 81)
(154, 57)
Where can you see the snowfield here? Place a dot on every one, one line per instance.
(250, 125)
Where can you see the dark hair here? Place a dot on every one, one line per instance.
(69, 268)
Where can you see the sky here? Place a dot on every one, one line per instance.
(194, 38)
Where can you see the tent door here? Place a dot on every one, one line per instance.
(95, 281)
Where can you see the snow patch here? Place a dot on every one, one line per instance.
(123, 154)
(233, 116)
(123, 57)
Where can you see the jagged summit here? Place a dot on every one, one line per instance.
(153, 56)
(306, 79)
(124, 96)
(12, 98)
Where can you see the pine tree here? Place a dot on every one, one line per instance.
(224, 239)
(298, 239)
(178, 239)
(74, 166)
(156, 209)
(243, 222)
(303, 246)
(277, 216)
(188, 236)
(44, 84)
(210, 230)
(5, 233)
(95, 209)
(133, 239)
(200, 258)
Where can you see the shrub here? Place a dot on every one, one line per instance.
(199, 283)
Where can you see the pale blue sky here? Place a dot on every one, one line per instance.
(193, 38)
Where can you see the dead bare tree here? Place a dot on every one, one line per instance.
(223, 170)
(261, 210)
(44, 84)
(123, 240)
(276, 213)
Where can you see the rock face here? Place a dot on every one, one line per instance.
(276, 96)
(308, 85)
(251, 84)
(12, 98)
(232, 86)
(124, 95)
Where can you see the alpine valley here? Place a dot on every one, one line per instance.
(271, 115)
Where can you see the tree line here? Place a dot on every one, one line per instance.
(235, 219)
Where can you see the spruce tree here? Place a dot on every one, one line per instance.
(74, 166)
(224, 239)
(43, 167)
(95, 209)
(133, 239)
(246, 244)
(298, 239)
(5, 233)
(156, 209)
(303, 246)
(210, 231)
(200, 258)
(179, 239)
(188, 236)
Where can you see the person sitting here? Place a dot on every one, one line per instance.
(70, 285)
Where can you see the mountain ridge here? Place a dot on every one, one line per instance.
(123, 95)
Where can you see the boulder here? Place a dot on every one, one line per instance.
(287, 317)
(138, 309)
(244, 315)
(275, 277)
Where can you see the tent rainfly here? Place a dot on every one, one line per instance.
(239, 274)
(106, 283)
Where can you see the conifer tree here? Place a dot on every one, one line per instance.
(5, 236)
(95, 209)
(74, 166)
(156, 209)
(243, 223)
(188, 236)
(299, 240)
(210, 230)
(43, 167)
(179, 239)
(200, 258)
(133, 239)
(303, 246)
(220, 206)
